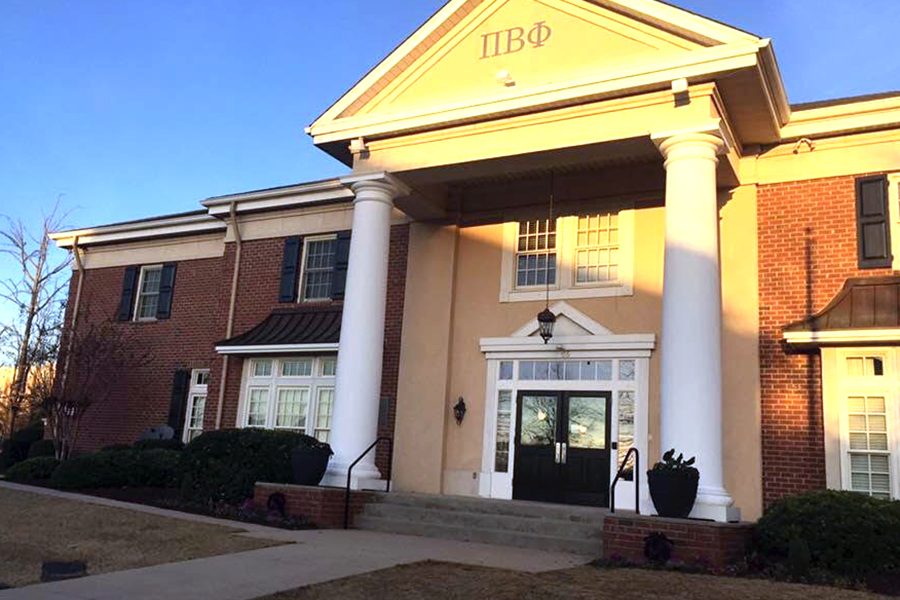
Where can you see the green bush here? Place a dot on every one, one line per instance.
(115, 448)
(42, 448)
(172, 444)
(15, 448)
(100, 470)
(119, 468)
(846, 534)
(32, 469)
(156, 468)
(224, 465)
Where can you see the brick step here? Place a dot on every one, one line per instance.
(581, 546)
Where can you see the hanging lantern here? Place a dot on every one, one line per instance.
(546, 321)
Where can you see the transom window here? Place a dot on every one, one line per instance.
(318, 268)
(536, 253)
(295, 394)
(196, 405)
(148, 293)
(865, 366)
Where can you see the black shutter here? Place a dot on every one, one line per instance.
(873, 231)
(287, 291)
(129, 285)
(166, 289)
(341, 260)
(180, 386)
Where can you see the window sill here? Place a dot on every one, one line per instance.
(534, 295)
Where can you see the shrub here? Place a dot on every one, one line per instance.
(151, 444)
(33, 469)
(115, 448)
(224, 465)
(15, 448)
(156, 468)
(100, 470)
(119, 468)
(846, 534)
(42, 448)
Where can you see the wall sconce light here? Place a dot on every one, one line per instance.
(459, 411)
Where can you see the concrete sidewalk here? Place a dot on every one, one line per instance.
(314, 557)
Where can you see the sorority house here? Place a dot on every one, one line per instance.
(719, 264)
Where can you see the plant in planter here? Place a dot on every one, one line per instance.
(673, 485)
(309, 460)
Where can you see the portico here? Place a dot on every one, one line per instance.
(652, 145)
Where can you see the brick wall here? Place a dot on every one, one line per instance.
(714, 545)
(322, 506)
(140, 399)
(807, 249)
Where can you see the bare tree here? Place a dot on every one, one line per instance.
(31, 338)
(99, 353)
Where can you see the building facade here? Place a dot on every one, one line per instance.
(719, 263)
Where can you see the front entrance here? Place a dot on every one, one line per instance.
(562, 447)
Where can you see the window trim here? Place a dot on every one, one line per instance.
(195, 389)
(566, 286)
(275, 381)
(301, 287)
(837, 387)
(138, 294)
(893, 180)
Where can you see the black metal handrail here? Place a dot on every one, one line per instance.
(637, 481)
(390, 442)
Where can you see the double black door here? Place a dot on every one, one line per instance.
(562, 448)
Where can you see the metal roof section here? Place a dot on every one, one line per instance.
(294, 330)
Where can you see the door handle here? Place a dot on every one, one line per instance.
(565, 447)
(558, 455)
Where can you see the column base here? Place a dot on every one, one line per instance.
(715, 505)
(364, 477)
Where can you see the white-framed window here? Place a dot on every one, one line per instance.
(196, 404)
(580, 256)
(293, 393)
(861, 405)
(318, 267)
(147, 300)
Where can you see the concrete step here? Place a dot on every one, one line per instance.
(564, 512)
(532, 524)
(502, 537)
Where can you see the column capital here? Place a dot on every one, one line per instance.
(703, 141)
(380, 182)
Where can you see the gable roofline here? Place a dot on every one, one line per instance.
(665, 16)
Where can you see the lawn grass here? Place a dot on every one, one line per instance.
(36, 528)
(436, 580)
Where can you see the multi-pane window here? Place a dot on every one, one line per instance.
(865, 366)
(536, 253)
(290, 409)
(324, 406)
(196, 407)
(870, 471)
(504, 415)
(148, 293)
(597, 248)
(575, 370)
(318, 268)
(290, 393)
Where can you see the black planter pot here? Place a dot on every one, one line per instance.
(309, 465)
(673, 492)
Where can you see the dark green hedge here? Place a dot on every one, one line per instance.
(846, 534)
(159, 444)
(224, 465)
(32, 469)
(42, 448)
(15, 448)
(119, 468)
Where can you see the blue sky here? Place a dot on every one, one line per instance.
(130, 108)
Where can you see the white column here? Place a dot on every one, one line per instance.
(691, 345)
(354, 423)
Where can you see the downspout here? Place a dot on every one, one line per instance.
(76, 253)
(229, 327)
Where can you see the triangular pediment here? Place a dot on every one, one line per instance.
(473, 50)
(570, 322)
